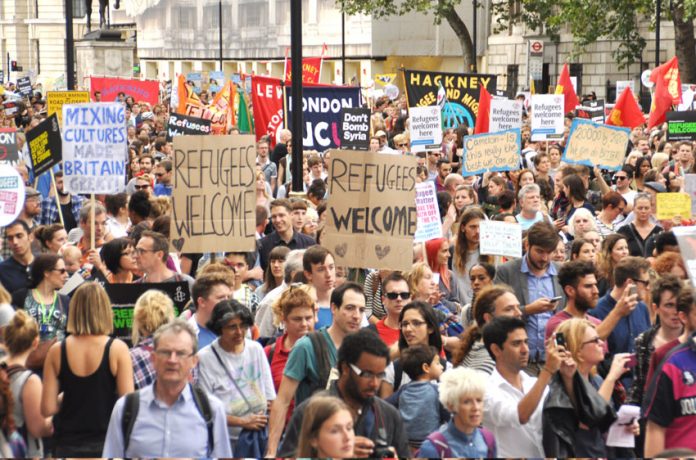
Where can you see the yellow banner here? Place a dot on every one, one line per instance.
(56, 99)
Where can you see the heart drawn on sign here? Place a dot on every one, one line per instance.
(178, 244)
(341, 249)
(382, 252)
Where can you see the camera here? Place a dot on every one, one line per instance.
(383, 451)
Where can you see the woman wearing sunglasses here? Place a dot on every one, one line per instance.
(43, 303)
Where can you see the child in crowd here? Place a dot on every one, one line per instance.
(418, 401)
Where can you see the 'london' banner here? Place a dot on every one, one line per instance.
(321, 112)
(462, 91)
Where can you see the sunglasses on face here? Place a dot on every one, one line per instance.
(142, 187)
(396, 295)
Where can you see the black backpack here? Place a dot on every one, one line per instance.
(132, 406)
(321, 351)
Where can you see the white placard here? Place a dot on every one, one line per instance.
(621, 86)
(547, 117)
(500, 238)
(12, 193)
(429, 224)
(426, 128)
(95, 147)
(690, 189)
(505, 114)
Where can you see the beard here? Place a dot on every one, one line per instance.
(63, 193)
(353, 392)
(584, 304)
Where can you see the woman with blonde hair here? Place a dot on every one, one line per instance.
(91, 369)
(152, 309)
(21, 338)
(587, 350)
(327, 429)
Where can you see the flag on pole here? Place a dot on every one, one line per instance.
(243, 117)
(484, 112)
(626, 112)
(667, 91)
(565, 87)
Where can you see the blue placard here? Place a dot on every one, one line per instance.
(498, 151)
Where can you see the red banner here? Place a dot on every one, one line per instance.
(267, 99)
(140, 90)
(311, 68)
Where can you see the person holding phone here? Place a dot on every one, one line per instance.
(579, 282)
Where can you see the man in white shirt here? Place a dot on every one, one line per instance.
(514, 400)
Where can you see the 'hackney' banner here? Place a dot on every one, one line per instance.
(462, 93)
(322, 113)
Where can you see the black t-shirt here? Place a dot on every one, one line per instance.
(68, 217)
(13, 275)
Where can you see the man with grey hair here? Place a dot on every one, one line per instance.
(264, 313)
(452, 181)
(170, 417)
(529, 198)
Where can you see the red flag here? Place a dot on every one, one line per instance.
(565, 87)
(667, 91)
(484, 112)
(267, 100)
(626, 112)
(311, 69)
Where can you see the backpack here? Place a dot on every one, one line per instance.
(132, 405)
(321, 351)
(444, 451)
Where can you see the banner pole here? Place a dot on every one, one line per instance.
(92, 219)
(55, 193)
(285, 106)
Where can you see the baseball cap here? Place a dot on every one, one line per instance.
(31, 192)
(380, 133)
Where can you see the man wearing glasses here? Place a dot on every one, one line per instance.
(631, 278)
(622, 183)
(169, 420)
(163, 173)
(362, 361)
(395, 294)
(151, 254)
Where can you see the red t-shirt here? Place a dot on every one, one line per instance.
(555, 321)
(280, 358)
(388, 335)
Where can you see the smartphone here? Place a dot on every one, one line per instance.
(556, 299)
(560, 340)
(633, 290)
(632, 361)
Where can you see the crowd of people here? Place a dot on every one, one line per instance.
(282, 353)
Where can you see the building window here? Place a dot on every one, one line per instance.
(575, 70)
(282, 12)
(212, 18)
(187, 17)
(513, 73)
(253, 14)
(78, 8)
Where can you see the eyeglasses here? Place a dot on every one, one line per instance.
(416, 324)
(142, 251)
(597, 340)
(166, 354)
(620, 177)
(396, 295)
(141, 187)
(402, 145)
(62, 271)
(367, 375)
(645, 283)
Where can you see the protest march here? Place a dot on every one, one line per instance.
(448, 272)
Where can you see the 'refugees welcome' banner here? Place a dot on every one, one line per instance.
(462, 92)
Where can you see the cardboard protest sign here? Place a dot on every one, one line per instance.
(8, 146)
(426, 128)
(12, 194)
(321, 113)
(500, 238)
(686, 238)
(267, 99)
(95, 147)
(547, 117)
(671, 205)
(372, 213)
(214, 197)
(181, 125)
(492, 152)
(429, 225)
(55, 100)
(592, 144)
(681, 126)
(355, 129)
(505, 114)
(462, 93)
(141, 90)
(24, 86)
(124, 296)
(45, 145)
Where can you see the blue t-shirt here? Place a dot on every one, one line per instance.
(324, 317)
(205, 337)
(302, 364)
